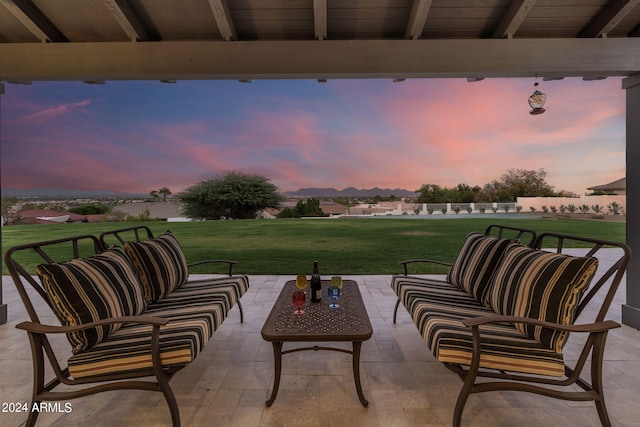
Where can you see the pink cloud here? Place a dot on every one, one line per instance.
(50, 112)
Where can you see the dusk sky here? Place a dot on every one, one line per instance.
(141, 136)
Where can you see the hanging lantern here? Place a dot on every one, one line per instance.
(536, 101)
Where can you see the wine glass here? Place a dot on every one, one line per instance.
(301, 281)
(299, 298)
(336, 281)
(333, 292)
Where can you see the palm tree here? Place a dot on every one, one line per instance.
(165, 192)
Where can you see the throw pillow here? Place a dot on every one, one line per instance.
(160, 263)
(540, 285)
(476, 262)
(85, 290)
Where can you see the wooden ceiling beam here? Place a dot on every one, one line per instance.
(222, 15)
(331, 59)
(608, 18)
(34, 20)
(127, 19)
(513, 18)
(320, 19)
(417, 19)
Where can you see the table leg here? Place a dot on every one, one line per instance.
(356, 372)
(277, 358)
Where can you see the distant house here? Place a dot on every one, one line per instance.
(48, 216)
(269, 213)
(618, 187)
(332, 208)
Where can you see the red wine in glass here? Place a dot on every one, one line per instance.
(299, 298)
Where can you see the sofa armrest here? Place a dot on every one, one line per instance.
(38, 328)
(406, 262)
(602, 326)
(211, 261)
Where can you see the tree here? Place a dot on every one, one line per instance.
(432, 193)
(310, 207)
(7, 206)
(165, 192)
(155, 194)
(462, 193)
(235, 195)
(519, 183)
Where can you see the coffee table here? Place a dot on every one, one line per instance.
(319, 323)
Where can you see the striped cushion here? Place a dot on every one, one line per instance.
(196, 310)
(129, 350)
(438, 308)
(540, 285)
(476, 262)
(160, 263)
(89, 289)
(226, 289)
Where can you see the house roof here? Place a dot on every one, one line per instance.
(45, 216)
(160, 210)
(169, 40)
(620, 184)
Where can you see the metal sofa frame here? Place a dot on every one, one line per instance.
(63, 249)
(606, 284)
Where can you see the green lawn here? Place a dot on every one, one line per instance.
(344, 246)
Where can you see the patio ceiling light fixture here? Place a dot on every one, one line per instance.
(536, 101)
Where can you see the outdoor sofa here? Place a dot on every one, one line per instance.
(129, 311)
(505, 310)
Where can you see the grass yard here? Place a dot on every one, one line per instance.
(342, 246)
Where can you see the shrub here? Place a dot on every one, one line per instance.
(614, 208)
(456, 209)
(469, 209)
(596, 208)
(572, 208)
(545, 209)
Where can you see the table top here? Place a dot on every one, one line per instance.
(349, 322)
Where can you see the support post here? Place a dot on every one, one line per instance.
(3, 306)
(631, 309)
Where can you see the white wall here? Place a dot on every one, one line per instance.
(603, 201)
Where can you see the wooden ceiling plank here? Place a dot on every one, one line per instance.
(331, 59)
(34, 20)
(127, 19)
(222, 15)
(417, 19)
(513, 18)
(320, 19)
(608, 18)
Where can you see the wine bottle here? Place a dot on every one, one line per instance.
(316, 284)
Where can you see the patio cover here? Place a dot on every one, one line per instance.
(170, 40)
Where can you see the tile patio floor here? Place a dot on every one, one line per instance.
(230, 380)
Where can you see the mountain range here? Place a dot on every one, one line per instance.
(350, 192)
(63, 193)
(303, 192)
